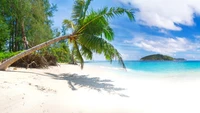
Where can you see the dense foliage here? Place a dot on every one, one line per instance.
(4, 34)
(157, 57)
(61, 52)
(24, 18)
(6, 55)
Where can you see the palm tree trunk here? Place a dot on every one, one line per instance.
(13, 59)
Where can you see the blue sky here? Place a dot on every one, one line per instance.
(170, 27)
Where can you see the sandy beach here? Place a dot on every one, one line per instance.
(68, 89)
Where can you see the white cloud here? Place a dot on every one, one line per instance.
(125, 56)
(162, 45)
(197, 36)
(165, 14)
(130, 54)
(163, 31)
(190, 56)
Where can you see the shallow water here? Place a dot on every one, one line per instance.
(153, 68)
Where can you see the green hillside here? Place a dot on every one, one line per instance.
(157, 57)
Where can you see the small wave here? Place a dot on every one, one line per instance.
(112, 68)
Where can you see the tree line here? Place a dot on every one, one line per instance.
(23, 21)
(27, 23)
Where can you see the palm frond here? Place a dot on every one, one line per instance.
(100, 45)
(117, 11)
(108, 33)
(68, 24)
(112, 54)
(87, 53)
(87, 3)
(98, 27)
(93, 43)
(78, 54)
(77, 12)
(96, 22)
(94, 32)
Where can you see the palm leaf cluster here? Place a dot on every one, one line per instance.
(91, 31)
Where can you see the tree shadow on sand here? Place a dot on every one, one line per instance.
(93, 83)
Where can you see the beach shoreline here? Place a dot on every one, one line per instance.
(68, 89)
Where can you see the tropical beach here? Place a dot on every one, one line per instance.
(67, 88)
(99, 56)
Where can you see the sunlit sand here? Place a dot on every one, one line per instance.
(68, 89)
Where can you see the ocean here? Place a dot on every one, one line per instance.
(152, 66)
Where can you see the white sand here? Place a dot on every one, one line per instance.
(67, 89)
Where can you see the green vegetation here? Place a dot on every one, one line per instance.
(61, 52)
(4, 34)
(24, 18)
(6, 55)
(90, 30)
(157, 57)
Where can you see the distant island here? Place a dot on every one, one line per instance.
(179, 59)
(160, 57)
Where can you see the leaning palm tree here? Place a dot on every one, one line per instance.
(91, 33)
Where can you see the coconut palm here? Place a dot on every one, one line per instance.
(91, 33)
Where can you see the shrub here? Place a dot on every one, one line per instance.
(36, 60)
(61, 52)
(6, 55)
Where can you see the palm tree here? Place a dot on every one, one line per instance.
(91, 33)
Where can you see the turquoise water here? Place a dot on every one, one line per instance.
(154, 66)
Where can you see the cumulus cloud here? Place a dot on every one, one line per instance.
(167, 14)
(162, 45)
